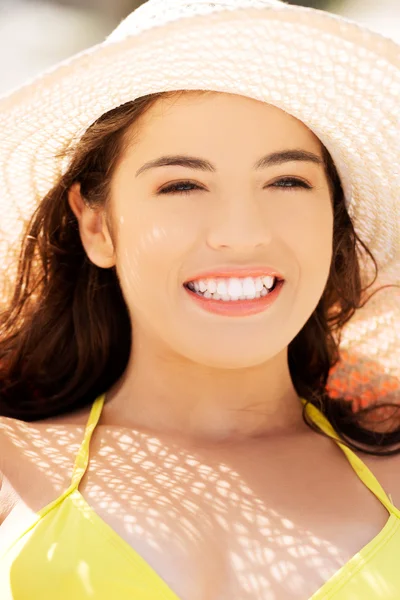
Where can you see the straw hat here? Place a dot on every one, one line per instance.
(340, 79)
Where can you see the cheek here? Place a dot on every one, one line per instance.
(151, 250)
(305, 225)
(308, 233)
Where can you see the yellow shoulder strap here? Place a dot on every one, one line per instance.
(82, 458)
(361, 469)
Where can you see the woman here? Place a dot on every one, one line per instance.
(192, 306)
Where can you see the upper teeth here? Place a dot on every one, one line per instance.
(234, 287)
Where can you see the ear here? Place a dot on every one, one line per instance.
(93, 229)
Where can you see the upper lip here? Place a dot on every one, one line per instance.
(220, 272)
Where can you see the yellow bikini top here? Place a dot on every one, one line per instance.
(69, 552)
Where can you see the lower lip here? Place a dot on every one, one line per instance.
(237, 308)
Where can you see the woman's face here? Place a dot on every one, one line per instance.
(232, 216)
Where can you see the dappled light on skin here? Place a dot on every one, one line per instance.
(43, 449)
(174, 505)
(131, 260)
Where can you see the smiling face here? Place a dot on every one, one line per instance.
(235, 209)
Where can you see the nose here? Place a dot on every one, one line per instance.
(239, 224)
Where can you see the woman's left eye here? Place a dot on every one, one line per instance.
(185, 187)
(290, 183)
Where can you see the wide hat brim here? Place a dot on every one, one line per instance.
(340, 79)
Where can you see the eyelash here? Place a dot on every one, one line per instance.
(170, 189)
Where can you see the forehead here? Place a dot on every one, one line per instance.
(214, 116)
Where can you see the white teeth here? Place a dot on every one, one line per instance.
(268, 281)
(258, 284)
(212, 286)
(202, 286)
(249, 289)
(222, 288)
(233, 288)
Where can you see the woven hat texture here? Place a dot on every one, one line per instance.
(339, 78)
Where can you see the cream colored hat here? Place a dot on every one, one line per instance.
(340, 79)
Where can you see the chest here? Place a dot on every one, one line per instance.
(262, 524)
(222, 536)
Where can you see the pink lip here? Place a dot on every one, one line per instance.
(237, 272)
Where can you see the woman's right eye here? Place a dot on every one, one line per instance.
(176, 188)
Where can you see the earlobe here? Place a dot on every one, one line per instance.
(93, 229)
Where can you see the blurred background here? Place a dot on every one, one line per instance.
(36, 34)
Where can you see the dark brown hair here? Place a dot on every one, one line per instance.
(66, 334)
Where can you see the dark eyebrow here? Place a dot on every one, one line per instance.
(191, 162)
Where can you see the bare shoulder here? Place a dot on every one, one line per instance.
(35, 439)
(41, 452)
(8, 495)
(17, 435)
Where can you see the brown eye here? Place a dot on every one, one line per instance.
(290, 183)
(176, 188)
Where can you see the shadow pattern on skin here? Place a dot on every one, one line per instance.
(204, 521)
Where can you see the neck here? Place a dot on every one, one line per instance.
(171, 395)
